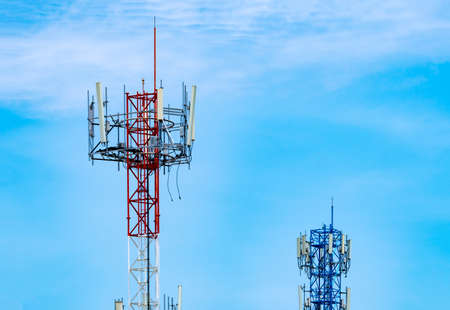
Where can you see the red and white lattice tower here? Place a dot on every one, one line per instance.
(143, 197)
(145, 138)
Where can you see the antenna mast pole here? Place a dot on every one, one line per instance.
(154, 52)
(332, 212)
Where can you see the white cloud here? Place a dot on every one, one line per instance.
(218, 44)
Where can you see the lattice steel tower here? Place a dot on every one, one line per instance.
(146, 137)
(325, 257)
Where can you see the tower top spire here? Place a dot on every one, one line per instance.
(332, 211)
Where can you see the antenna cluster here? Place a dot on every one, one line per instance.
(324, 258)
(147, 136)
(172, 144)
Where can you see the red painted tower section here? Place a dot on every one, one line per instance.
(142, 165)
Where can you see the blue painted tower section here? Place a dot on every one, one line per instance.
(324, 258)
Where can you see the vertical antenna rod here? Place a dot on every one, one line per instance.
(332, 211)
(154, 52)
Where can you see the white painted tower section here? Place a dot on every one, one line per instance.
(137, 273)
(157, 273)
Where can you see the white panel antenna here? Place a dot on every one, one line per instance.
(101, 114)
(347, 301)
(91, 120)
(300, 298)
(193, 99)
(330, 243)
(343, 244)
(160, 103)
(299, 248)
(179, 297)
(304, 244)
(349, 248)
(191, 131)
(306, 252)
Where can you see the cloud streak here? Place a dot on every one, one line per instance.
(219, 45)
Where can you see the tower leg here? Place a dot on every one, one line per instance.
(141, 268)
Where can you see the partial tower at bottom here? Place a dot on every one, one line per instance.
(324, 258)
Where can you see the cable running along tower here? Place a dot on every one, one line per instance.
(145, 138)
(325, 257)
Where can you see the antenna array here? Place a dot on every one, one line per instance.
(325, 257)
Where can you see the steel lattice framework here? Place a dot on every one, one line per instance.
(325, 257)
(143, 166)
(145, 138)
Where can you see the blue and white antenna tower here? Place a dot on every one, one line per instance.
(324, 258)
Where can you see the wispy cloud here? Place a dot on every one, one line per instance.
(220, 44)
(422, 127)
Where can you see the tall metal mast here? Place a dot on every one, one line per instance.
(145, 138)
(325, 257)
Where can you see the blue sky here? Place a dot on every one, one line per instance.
(298, 101)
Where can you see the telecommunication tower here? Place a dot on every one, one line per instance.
(145, 138)
(325, 257)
